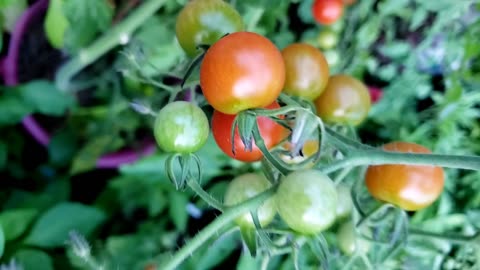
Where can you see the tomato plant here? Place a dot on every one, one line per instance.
(345, 100)
(203, 22)
(306, 200)
(181, 127)
(244, 187)
(410, 187)
(272, 133)
(327, 11)
(306, 71)
(241, 71)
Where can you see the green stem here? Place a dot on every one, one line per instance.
(212, 229)
(379, 157)
(105, 43)
(195, 186)
(266, 153)
(453, 239)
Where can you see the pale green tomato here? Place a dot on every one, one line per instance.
(348, 241)
(244, 187)
(307, 201)
(181, 127)
(345, 203)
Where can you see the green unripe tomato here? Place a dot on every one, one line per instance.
(307, 201)
(204, 22)
(181, 127)
(327, 39)
(348, 241)
(247, 186)
(345, 203)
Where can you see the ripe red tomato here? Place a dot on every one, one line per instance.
(327, 11)
(411, 187)
(272, 133)
(345, 101)
(205, 22)
(307, 71)
(375, 93)
(241, 71)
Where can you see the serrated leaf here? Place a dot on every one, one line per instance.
(33, 259)
(249, 237)
(368, 32)
(218, 251)
(178, 209)
(419, 16)
(12, 108)
(56, 23)
(45, 98)
(52, 228)
(86, 19)
(14, 222)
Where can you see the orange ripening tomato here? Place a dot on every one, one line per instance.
(327, 11)
(306, 70)
(411, 187)
(345, 100)
(241, 71)
(271, 132)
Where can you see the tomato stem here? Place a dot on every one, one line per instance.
(266, 153)
(212, 229)
(379, 157)
(105, 43)
(451, 238)
(197, 188)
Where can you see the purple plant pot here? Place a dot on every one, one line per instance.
(9, 72)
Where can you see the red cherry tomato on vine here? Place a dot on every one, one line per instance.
(244, 187)
(272, 133)
(307, 71)
(411, 187)
(241, 71)
(307, 200)
(345, 101)
(203, 22)
(181, 127)
(327, 11)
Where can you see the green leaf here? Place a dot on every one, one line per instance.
(392, 7)
(419, 16)
(52, 228)
(218, 251)
(396, 50)
(87, 157)
(86, 19)
(249, 237)
(3, 155)
(12, 108)
(62, 147)
(34, 259)
(369, 32)
(16, 221)
(305, 11)
(45, 98)
(56, 23)
(10, 11)
(178, 209)
(2, 241)
(247, 262)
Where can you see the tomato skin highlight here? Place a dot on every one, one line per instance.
(307, 71)
(203, 22)
(244, 187)
(327, 11)
(272, 133)
(410, 187)
(241, 71)
(345, 100)
(181, 127)
(307, 200)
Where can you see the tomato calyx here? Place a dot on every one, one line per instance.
(185, 161)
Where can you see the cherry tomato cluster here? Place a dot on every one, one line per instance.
(243, 70)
